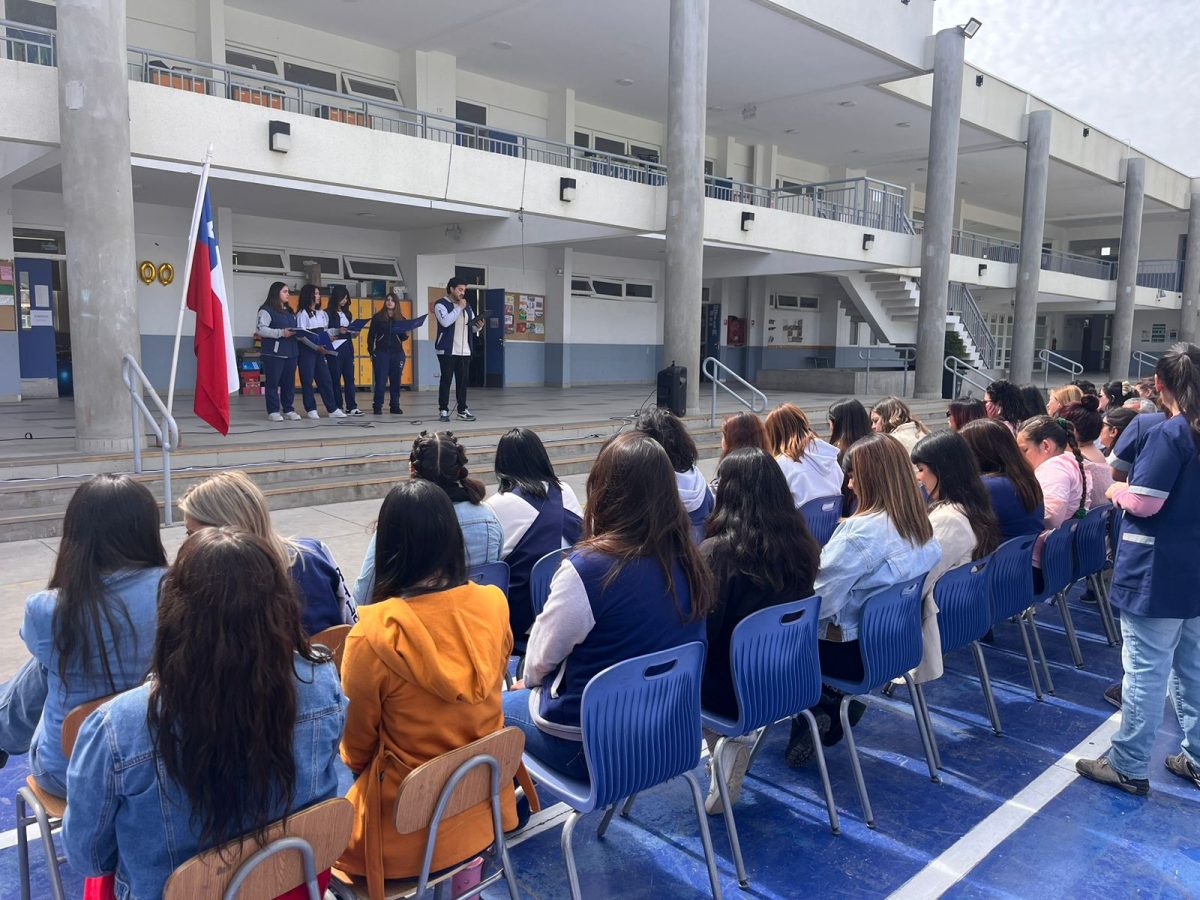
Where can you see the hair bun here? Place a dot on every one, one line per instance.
(1090, 402)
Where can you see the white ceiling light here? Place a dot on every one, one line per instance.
(502, 45)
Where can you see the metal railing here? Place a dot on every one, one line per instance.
(1142, 358)
(714, 368)
(1057, 361)
(859, 201)
(962, 303)
(982, 246)
(905, 355)
(1163, 274)
(1074, 264)
(28, 43)
(965, 373)
(737, 191)
(166, 431)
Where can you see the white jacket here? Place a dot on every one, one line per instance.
(815, 474)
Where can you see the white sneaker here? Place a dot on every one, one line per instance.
(292, 415)
(735, 760)
(276, 417)
(337, 414)
(355, 412)
(313, 414)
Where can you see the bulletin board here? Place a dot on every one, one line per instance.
(524, 317)
(788, 329)
(8, 296)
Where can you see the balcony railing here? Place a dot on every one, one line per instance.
(28, 43)
(1074, 264)
(859, 201)
(982, 246)
(1163, 274)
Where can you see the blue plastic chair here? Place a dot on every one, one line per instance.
(493, 573)
(1058, 564)
(776, 676)
(641, 728)
(539, 579)
(822, 516)
(889, 639)
(1091, 559)
(1012, 594)
(964, 601)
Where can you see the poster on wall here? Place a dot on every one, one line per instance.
(524, 317)
(1158, 333)
(785, 330)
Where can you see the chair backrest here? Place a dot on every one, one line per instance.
(325, 827)
(540, 576)
(964, 601)
(822, 516)
(1091, 542)
(74, 721)
(334, 638)
(889, 635)
(1012, 577)
(493, 573)
(774, 663)
(1058, 561)
(641, 722)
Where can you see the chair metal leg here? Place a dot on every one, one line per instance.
(1033, 675)
(835, 824)
(1069, 626)
(628, 806)
(508, 680)
(24, 820)
(27, 799)
(855, 764)
(920, 693)
(1041, 651)
(718, 774)
(758, 744)
(919, 713)
(608, 814)
(985, 682)
(569, 854)
(705, 837)
(1106, 614)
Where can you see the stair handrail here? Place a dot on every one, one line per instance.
(961, 302)
(1141, 357)
(167, 431)
(899, 354)
(713, 372)
(1058, 361)
(963, 372)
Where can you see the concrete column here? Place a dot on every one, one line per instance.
(1033, 227)
(210, 31)
(1127, 265)
(560, 120)
(765, 163)
(97, 190)
(939, 211)
(687, 88)
(1191, 270)
(10, 353)
(559, 264)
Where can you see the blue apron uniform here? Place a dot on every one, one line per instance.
(554, 526)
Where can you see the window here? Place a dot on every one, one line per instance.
(470, 112)
(708, 166)
(353, 84)
(605, 288)
(330, 265)
(612, 288)
(608, 145)
(374, 269)
(318, 78)
(581, 287)
(28, 241)
(636, 291)
(251, 59)
(583, 139)
(31, 12)
(257, 259)
(645, 154)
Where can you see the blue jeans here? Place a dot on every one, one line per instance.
(279, 373)
(558, 753)
(313, 366)
(21, 700)
(1157, 652)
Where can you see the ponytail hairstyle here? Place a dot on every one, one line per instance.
(1115, 392)
(310, 294)
(1061, 433)
(1178, 372)
(440, 458)
(1084, 414)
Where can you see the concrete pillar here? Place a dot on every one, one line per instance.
(1191, 270)
(559, 264)
(687, 88)
(939, 211)
(1033, 227)
(97, 190)
(210, 31)
(1127, 265)
(560, 119)
(436, 83)
(10, 354)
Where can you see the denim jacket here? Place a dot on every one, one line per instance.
(482, 536)
(865, 556)
(127, 816)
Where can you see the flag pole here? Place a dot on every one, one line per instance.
(189, 256)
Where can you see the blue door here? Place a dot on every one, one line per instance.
(35, 334)
(494, 335)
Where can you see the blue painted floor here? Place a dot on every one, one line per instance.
(1087, 842)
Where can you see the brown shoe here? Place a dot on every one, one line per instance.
(1182, 766)
(1101, 770)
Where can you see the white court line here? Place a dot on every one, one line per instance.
(972, 848)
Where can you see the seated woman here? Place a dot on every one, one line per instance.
(1084, 415)
(964, 410)
(761, 554)
(1004, 403)
(886, 541)
(964, 526)
(231, 498)
(892, 416)
(537, 514)
(423, 671)
(848, 421)
(669, 431)
(174, 767)
(1113, 395)
(91, 632)
(1065, 482)
(635, 584)
(1112, 426)
(809, 464)
(1014, 491)
(739, 430)
(440, 458)
(1061, 396)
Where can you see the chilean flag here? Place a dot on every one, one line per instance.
(216, 364)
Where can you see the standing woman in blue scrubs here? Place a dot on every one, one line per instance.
(1155, 585)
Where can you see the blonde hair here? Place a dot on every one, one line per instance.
(1068, 393)
(894, 412)
(232, 499)
(788, 431)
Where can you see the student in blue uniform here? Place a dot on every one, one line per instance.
(313, 355)
(1155, 579)
(669, 431)
(1014, 490)
(341, 364)
(386, 349)
(276, 327)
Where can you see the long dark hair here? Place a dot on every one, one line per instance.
(309, 295)
(418, 544)
(883, 482)
(111, 524)
(948, 457)
(848, 421)
(634, 512)
(666, 428)
(1179, 371)
(338, 294)
(755, 528)
(1007, 399)
(1061, 433)
(963, 410)
(996, 452)
(440, 458)
(275, 297)
(522, 462)
(1033, 401)
(222, 710)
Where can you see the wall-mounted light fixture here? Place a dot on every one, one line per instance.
(868, 241)
(280, 136)
(978, 81)
(1086, 131)
(971, 28)
(747, 221)
(566, 189)
(982, 269)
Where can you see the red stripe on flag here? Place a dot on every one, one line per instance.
(212, 389)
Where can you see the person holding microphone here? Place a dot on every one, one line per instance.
(456, 319)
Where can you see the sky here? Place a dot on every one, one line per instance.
(1131, 68)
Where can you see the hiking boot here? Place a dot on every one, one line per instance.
(800, 749)
(1182, 766)
(1101, 770)
(1113, 695)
